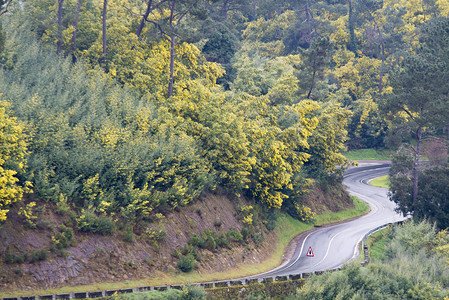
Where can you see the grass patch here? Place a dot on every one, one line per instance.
(150, 295)
(383, 182)
(368, 154)
(332, 217)
(286, 230)
(376, 243)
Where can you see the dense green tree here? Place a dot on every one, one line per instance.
(432, 202)
(419, 89)
(221, 47)
(315, 60)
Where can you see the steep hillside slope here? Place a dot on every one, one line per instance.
(97, 258)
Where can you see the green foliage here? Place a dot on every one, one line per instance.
(176, 254)
(258, 291)
(367, 154)
(432, 200)
(223, 241)
(128, 234)
(234, 235)
(64, 238)
(258, 238)
(187, 263)
(109, 140)
(189, 292)
(12, 258)
(196, 241)
(399, 275)
(271, 219)
(38, 255)
(111, 149)
(190, 250)
(62, 207)
(88, 221)
(192, 292)
(35, 256)
(155, 234)
(151, 295)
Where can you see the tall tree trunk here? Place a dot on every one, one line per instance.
(312, 85)
(381, 72)
(416, 165)
(172, 50)
(382, 46)
(105, 7)
(59, 43)
(352, 43)
(225, 9)
(172, 65)
(75, 31)
(144, 18)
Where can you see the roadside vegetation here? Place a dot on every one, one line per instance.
(412, 263)
(187, 293)
(368, 154)
(114, 115)
(286, 229)
(383, 182)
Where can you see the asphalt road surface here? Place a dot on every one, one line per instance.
(336, 245)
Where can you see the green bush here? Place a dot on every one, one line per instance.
(187, 263)
(258, 238)
(192, 292)
(190, 250)
(155, 234)
(63, 239)
(234, 235)
(176, 254)
(12, 258)
(209, 239)
(210, 243)
(223, 241)
(128, 234)
(245, 233)
(96, 224)
(270, 224)
(39, 255)
(196, 241)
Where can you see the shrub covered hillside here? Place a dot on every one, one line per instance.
(133, 108)
(100, 145)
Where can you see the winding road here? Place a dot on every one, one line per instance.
(333, 246)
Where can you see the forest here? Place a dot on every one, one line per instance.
(124, 110)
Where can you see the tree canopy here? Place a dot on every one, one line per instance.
(259, 97)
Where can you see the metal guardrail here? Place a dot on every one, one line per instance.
(365, 247)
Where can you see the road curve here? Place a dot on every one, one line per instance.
(336, 245)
